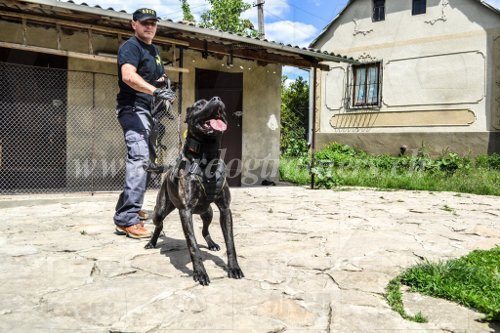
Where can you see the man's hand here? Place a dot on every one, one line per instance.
(165, 94)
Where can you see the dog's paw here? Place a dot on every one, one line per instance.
(201, 277)
(235, 273)
(214, 247)
(149, 245)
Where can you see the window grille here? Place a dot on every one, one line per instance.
(365, 85)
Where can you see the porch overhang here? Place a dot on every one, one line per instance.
(181, 34)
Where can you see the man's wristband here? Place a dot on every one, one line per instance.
(156, 91)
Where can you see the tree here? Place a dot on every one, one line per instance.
(186, 11)
(225, 15)
(294, 118)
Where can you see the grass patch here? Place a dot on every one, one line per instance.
(340, 165)
(395, 299)
(294, 170)
(472, 281)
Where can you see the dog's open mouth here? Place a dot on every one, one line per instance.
(207, 118)
(215, 124)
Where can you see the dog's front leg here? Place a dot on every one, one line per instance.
(199, 273)
(226, 221)
(163, 207)
(207, 219)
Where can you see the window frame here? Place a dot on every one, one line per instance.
(418, 7)
(366, 103)
(378, 12)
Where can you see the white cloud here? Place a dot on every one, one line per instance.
(288, 32)
(273, 10)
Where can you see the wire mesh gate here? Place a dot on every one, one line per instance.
(59, 132)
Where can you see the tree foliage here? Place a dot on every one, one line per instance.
(294, 117)
(225, 15)
(186, 11)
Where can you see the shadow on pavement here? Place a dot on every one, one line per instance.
(176, 250)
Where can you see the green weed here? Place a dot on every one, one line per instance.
(342, 165)
(472, 281)
(395, 300)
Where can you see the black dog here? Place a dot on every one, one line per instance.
(197, 180)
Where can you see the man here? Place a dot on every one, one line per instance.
(140, 76)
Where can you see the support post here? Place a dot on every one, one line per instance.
(313, 134)
(179, 95)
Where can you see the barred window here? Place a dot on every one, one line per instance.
(366, 90)
(378, 10)
(419, 7)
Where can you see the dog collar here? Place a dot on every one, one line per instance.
(197, 149)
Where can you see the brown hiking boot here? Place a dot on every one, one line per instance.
(134, 231)
(143, 215)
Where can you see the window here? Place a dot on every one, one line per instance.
(378, 10)
(366, 90)
(418, 7)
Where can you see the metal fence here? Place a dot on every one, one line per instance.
(59, 132)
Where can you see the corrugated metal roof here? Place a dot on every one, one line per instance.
(198, 31)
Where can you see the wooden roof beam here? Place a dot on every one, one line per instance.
(85, 27)
(255, 54)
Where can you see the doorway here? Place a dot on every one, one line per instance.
(229, 87)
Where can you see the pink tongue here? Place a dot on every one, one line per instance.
(218, 125)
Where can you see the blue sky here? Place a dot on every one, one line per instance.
(295, 22)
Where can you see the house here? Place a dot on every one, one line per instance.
(428, 76)
(58, 129)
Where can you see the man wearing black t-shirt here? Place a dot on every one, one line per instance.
(140, 76)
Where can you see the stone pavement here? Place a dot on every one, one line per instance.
(314, 261)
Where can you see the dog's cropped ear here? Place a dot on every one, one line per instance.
(188, 113)
(191, 111)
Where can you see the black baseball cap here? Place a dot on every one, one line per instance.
(144, 14)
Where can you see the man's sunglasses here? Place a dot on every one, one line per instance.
(146, 23)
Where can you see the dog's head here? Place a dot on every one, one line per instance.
(207, 118)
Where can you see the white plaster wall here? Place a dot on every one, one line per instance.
(436, 61)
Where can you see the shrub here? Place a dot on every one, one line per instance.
(451, 163)
(491, 162)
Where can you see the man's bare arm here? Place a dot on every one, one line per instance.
(135, 81)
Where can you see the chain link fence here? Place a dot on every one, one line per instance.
(59, 132)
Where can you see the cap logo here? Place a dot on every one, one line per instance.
(148, 11)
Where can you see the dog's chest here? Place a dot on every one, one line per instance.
(209, 177)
